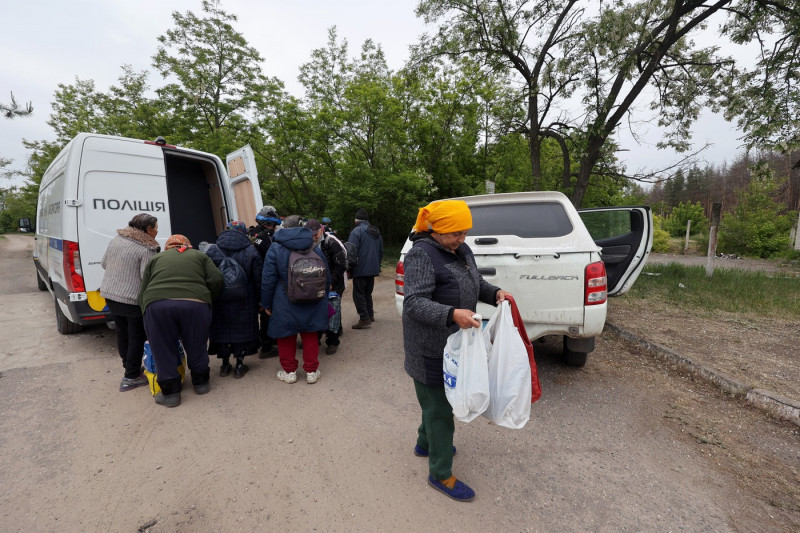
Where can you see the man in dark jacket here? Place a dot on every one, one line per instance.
(262, 234)
(368, 243)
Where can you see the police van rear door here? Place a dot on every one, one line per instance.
(243, 183)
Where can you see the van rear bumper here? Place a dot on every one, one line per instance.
(78, 311)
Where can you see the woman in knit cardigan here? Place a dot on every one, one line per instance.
(124, 262)
(442, 289)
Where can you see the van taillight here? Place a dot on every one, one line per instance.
(72, 267)
(596, 288)
(399, 279)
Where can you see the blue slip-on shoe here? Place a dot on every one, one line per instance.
(422, 452)
(453, 488)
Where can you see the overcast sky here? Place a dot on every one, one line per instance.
(47, 42)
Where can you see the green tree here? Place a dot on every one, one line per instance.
(127, 111)
(758, 226)
(609, 58)
(219, 79)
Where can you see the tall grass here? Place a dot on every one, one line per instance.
(732, 290)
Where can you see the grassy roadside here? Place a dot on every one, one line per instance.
(729, 290)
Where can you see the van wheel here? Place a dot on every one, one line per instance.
(65, 326)
(42, 285)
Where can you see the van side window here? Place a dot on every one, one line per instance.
(526, 220)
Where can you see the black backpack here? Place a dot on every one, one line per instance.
(235, 280)
(352, 255)
(307, 277)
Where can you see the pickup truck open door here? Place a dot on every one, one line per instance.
(625, 235)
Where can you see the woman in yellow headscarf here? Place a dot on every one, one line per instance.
(442, 290)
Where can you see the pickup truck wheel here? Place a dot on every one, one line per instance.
(577, 359)
(573, 357)
(40, 282)
(64, 325)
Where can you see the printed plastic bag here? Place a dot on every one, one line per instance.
(466, 376)
(149, 364)
(509, 371)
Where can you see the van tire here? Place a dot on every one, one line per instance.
(40, 282)
(64, 325)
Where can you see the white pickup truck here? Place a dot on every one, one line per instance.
(559, 263)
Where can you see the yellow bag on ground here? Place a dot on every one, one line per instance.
(150, 367)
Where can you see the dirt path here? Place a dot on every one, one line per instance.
(623, 444)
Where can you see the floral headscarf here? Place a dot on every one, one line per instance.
(238, 225)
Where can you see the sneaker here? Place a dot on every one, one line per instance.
(287, 377)
(202, 388)
(453, 488)
(131, 383)
(362, 324)
(313, 377)
(225, 369)
(331, 349)
(422, 452)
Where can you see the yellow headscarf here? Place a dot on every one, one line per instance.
(444, 216)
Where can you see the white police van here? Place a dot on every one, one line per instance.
(560, 264)
(97, 183)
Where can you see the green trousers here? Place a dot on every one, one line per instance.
(435, 433)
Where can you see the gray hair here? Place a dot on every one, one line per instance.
(292, 221)
(143, 221)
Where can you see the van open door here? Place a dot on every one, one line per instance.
(625, 235)
(244, 184)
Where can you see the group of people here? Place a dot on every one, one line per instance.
(174, 294)
(231, 298)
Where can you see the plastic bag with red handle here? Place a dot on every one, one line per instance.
(536, 388)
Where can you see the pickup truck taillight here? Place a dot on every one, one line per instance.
(73, 275)
(596, 288)
(399, 279)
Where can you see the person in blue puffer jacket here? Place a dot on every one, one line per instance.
(287, 319)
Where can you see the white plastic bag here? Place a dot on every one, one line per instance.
(509, 371)
(466, 374)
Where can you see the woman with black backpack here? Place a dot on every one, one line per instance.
(294, 292)
(234, 317)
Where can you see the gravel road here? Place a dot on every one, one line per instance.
(623, 444)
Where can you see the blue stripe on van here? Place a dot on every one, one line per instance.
(58, 244)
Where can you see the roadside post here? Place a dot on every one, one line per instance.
(686, 241)
(716, 209)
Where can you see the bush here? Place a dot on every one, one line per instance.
(675, 223)
(660, 241)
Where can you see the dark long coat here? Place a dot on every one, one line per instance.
(237, 321)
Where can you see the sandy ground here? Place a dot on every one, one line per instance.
(623, 444)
